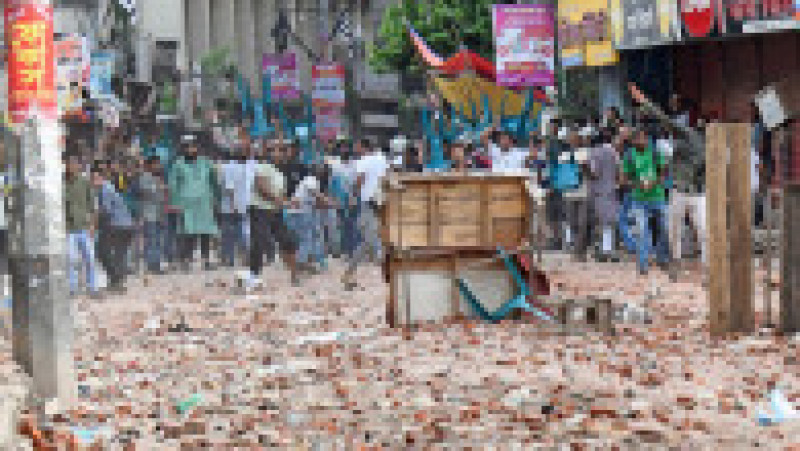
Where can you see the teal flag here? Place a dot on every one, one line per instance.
(266, 97)
(286, 123)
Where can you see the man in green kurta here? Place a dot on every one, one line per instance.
(193, 184)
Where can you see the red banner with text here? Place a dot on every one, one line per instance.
(31, 66)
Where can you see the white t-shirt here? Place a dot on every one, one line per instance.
(305, 190)
(513, 160)
(373, 167)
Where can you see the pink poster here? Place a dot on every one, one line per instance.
(282, 70)
(524, 44)
(329, 123)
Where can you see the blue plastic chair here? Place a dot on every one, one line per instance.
(518, 301)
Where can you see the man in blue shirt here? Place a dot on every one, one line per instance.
(116, 230)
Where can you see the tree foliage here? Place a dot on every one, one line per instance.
(444, 24)
(216, 62)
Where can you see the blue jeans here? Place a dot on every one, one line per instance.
(624, 223)
(644, 211)
(80, 249)
(232, 231)
(349, 230)
(301, 224)
(154, 235)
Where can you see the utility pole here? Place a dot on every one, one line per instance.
(41, 308)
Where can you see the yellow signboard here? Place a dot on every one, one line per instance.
(585, 33)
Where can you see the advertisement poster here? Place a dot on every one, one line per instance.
(329, 123)
(645, 22)
(72, 70)
(524, 45)
(31, 66)
(328, 86)
(700, 18)
(760, 16)
(282, 70)
(102, 69)
(585, 33)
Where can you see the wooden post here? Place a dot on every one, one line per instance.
(790, 261)
(730, 248)
(718, 262)
(741, 229)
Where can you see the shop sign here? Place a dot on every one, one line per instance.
(647, 22)
(699, 17)
(760, 16)
(585, 33)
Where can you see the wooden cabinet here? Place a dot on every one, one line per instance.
(480, 211)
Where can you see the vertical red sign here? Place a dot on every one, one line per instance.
(31, 67)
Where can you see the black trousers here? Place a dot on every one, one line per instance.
(188, 244)
(262, 237)
(112, 249)
(268, 231)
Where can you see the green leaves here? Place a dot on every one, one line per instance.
(215, 62)
(443, 24)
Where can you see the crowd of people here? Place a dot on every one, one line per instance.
(624, 188)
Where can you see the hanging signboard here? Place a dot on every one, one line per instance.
(585, 33)
(328, 85)
(31, 66)
(282, 70)
(328, 123)
(102, 69)
(641, 23)
(72, 70)
(525, 45)
(760, 16)
(701, 18)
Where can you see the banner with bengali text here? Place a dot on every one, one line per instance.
(31, 66)
(328, 85)
(524, 45)
(282, 70)
(72, 70)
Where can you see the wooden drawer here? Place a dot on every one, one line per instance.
(460, 235)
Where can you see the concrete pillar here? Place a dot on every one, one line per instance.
(266, 15)
(41, 308)
(198, 26)
(245, 40)
(42, 312)
(300, 26)
(223, 27)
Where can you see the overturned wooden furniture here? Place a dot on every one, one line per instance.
(443, 233)
(423, 289)
(422, 285)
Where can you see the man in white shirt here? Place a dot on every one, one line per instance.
(233, 206)
(370, 167)
(505, 157)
